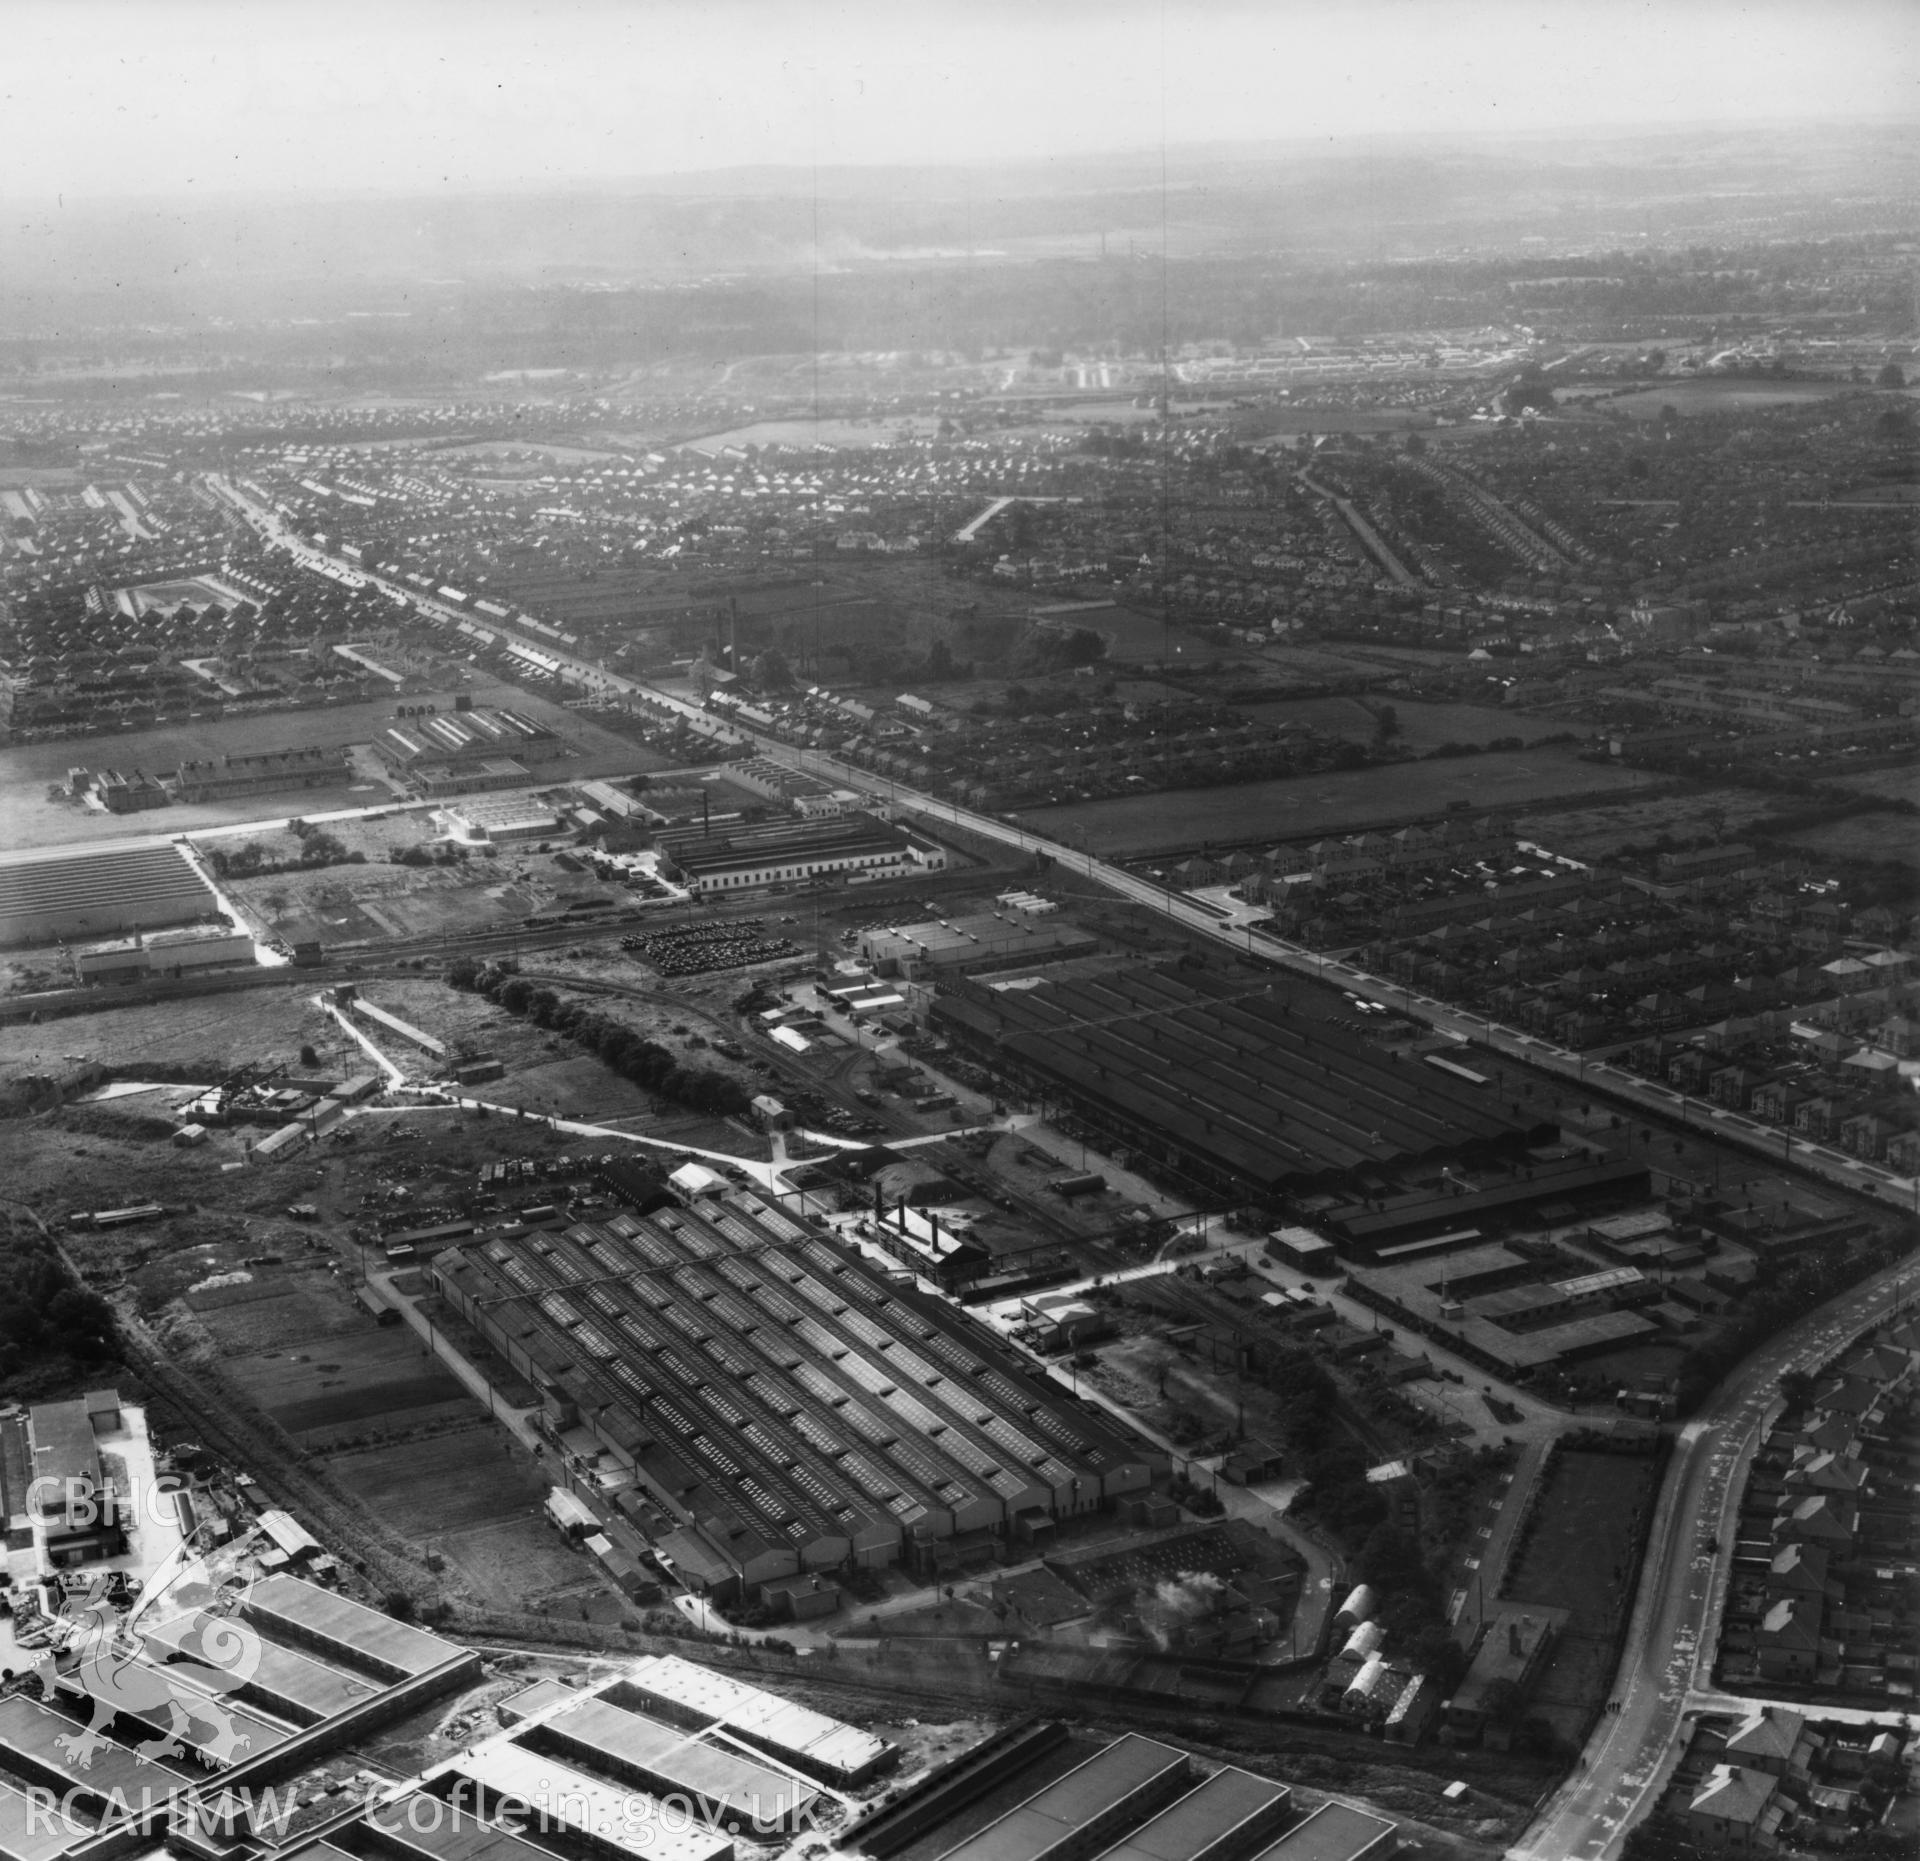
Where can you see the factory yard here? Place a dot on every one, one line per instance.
(1147, 825)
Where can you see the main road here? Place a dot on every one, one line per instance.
(1591, 1075)
(1666, 1672)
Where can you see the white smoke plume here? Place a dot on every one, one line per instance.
(1192, 1596)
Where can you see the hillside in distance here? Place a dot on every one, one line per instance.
(114, 264)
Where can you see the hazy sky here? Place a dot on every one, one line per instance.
(211, 96)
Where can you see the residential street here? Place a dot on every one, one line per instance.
(1666, 1672)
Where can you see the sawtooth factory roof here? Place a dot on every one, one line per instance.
(1222, 1069)
(777, 1392)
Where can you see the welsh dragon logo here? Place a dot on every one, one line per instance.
(182, 1650)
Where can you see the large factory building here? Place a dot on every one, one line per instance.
(106, 891)
(1219, 1076)
(780, 1403)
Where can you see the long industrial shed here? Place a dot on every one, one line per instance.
(1223, 1073)
(778, 1393)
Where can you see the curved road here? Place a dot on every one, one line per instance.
(1666, 1668)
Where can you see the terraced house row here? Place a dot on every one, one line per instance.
(779, 1400)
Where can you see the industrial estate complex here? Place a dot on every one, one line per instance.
(957, 1019)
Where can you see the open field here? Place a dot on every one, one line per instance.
(476, 1501)
(270, 1308)
(1629, 819)
(368, 1383)
(1422, 726)
(1579, 1553)
(1182, 818)
(264, 1025)
(805, 434)
(1865, 836)
(1577, 1549)
(449, 1483)
(28, 770)
(548, 1072)
(1726, 394)
(380, 901)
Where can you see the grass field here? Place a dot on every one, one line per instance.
(362, 1382)
(1579, 1554)
(1631, 819)
(28, 770)
(1422, 726)
(1865, 836)
(262, 1025)
(1579, 1548)
(477, 1501)
(1725, 395)
(1284, 809)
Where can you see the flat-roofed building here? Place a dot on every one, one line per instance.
(1337, 1832)
(1078, 1815)
(269, 772)
(344, 1630)
(520, 817)
(826, 1748)
(982, 940)
(793, 852)
(74, 1513)
(105, 891)
(601, 1732)
(582, 1812)
(1226, 1818)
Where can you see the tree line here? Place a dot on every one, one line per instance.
(646, 1063)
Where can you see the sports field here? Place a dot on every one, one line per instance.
(1182, 819)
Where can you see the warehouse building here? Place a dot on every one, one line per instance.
(1216, 1076)
(171, 954)
(106, 891)
(781, 1401)
(315, 1673)
(604, 1731)
(1229, 1817)
(517, 817)
(960, 946)
(440, 781)
(789, 852)
(810, 1742)
(264, 774)
(1077, 1816)
(448, 741)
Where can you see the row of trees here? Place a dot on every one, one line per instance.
(646, 1063)
(250, 860)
